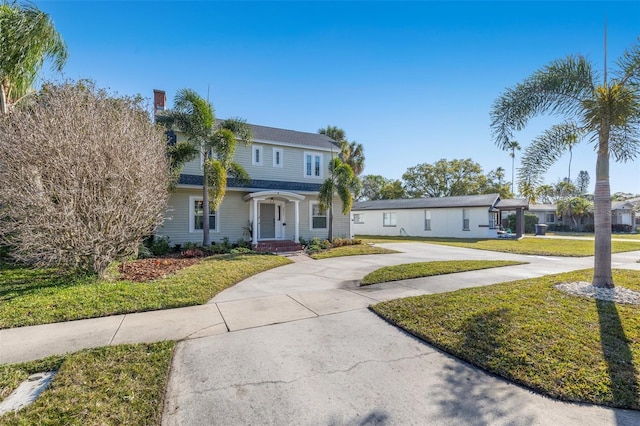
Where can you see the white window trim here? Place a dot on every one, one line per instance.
(360, 218)
(392, 215)
(281, 151)
(467, 218)
(192, 200)
(255, 148)
(326, 214)
(427, 217)
(313, 155)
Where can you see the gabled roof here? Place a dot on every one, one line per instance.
(622, 205)
(542, 208)
(291, 137)
(485, 200)
(513, 203)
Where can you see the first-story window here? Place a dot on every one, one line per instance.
(389, 219)
(550, 218)
(197, 215)
(427, 220)
(318, 217)
(465, 219)
(358, 218)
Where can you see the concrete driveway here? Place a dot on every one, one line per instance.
(303, 349)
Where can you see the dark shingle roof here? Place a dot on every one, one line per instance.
(273, 134)
(256, 184)
(513, 203)
(485, 200)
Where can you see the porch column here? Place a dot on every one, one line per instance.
(254, 228)
(297, 221)
(519, 222)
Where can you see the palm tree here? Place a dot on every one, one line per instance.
(574, 207)
(28, 37)
(216, 145)
(352, 153)
(335, 133)
(607, 114)
(341, 181)
(512, 145)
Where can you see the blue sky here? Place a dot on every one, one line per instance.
(413, 82)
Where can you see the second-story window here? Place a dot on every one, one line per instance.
(277, 157)
(312, 165)
(256, 159)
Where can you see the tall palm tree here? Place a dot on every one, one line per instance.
(216, 145)
(341, 181)
(27, 38)
(352, 153)
(606, 113)
(512, 145)
(335, 133)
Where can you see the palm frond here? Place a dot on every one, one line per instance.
(237, 172)
(239, 127)
(545, 150)
(629, 65)
(558, 88)
(216, 182)
(223, 143)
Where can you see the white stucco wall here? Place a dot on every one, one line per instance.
(445, 222)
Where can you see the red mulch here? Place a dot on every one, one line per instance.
(150, 269)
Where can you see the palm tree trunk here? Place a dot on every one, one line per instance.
(330, 222)
(602, 276)
(513, 164)
(206, 239)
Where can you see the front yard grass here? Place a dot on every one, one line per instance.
(122, 384)
(568, 347)
(41, 296)
(353, 250)
(528, 246)
(428, 269)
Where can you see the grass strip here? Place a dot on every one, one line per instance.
(428, 269)
(354, 250)
(41, 296)
(529, 246)
(122, 384)
(568, 347)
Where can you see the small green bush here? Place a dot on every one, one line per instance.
(160, 246)
(241, 250)
(530, 222)
(144, 252)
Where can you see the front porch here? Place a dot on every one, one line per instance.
(269, 221)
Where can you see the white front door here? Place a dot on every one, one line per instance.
(271, 221)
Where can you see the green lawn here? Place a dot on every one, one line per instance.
(117, 385)
(624, 236)
(568, 347)
(428, 269)
(41, 296)
(353, 250)
(529, 246)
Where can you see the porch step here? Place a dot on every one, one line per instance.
(280, 246)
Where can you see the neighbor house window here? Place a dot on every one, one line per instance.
(427, 220)
(465, 219)
(277, 157)
(550, 218)
(196, 215)
(389, 219)
(256, 159)
(358, 218)
(318, 217)
(312, 165)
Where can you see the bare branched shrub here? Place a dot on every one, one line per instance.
(83, 177)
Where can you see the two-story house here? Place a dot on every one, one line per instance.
(280, 203)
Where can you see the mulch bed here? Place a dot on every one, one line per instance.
(151, 269)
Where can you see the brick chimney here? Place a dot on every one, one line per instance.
(159, 100)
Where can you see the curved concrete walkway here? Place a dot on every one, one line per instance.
(297, 345)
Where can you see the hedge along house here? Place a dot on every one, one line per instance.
(276, 209)
(469, 216)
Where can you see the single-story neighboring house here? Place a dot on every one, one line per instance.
(622, 215)
(468, 216)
